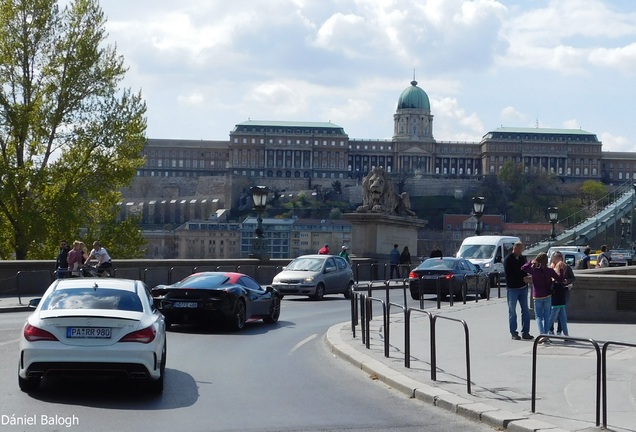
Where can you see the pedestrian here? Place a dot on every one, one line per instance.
(75, 259)
(324, 250)
(101, 255)
(84, 251)
(344, 254)
(61, 263)
(603, 259)
(517, 292)
(405, 259)
(394, 262)
(584, 263)
(436, 252)
(542, 278)
(560, 295)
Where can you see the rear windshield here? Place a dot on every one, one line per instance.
(203, 281)
(89, 298)
(435, 263)
(477, 251)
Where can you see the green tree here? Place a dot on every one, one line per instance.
(592, 190)
(70, 137)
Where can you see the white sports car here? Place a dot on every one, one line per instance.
(93, 327)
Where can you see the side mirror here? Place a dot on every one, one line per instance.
(33, 303)
(330, 269)
(497, 259)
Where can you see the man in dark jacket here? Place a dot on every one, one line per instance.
(61, 264)
(517, 291)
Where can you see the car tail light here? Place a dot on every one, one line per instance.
(32, 334)
(413, 275)
(449, 276)
(146, 335)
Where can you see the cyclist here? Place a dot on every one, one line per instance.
(101, 255)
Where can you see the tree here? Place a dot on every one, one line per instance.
(70, 137)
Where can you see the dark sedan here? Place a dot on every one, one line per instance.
(203, 297)
(459, 273)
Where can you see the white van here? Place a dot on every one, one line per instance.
(488, 252)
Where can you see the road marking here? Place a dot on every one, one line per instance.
(301, 343)
(9, 342)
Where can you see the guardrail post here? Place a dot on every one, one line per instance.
(604, 376)
(498, 281)
(434, 349)
(438, 288)
(540, 338)
(407, 334)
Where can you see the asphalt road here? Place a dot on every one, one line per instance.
(266, 378)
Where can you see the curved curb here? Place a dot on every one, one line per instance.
(476, 411)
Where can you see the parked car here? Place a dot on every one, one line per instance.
(206, 296)
(456, 272)
(93, 327)
(621, 257)
(315, 276)
(593, 260)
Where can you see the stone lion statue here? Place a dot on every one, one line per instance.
(378, 195)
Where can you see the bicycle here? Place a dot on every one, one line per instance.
(93, 271)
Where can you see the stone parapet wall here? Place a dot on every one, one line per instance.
(604, 295)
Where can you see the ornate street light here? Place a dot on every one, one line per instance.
(478, 211)
(553, 216)
(259, 244)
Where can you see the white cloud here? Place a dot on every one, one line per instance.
(512, 115)
(616, 143)
(483, 63)
(452, 123)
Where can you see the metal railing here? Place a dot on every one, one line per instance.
(604, 375)
(366, 309)
(541, 338)
(434, 350)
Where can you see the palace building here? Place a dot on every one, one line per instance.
(323, 150)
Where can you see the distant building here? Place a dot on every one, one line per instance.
(323, 150)
(289, 238)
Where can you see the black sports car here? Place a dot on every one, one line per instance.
(202, 297)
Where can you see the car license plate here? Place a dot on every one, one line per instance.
(185, 304)
(88, 332)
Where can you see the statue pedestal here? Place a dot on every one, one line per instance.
(374, 234)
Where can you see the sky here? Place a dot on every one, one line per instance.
(204, 66)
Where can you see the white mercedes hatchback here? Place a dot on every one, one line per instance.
(93, 327)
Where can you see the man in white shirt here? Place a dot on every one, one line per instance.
(102, 257)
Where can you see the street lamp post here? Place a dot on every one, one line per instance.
(478, 211)
(259, 244)
(553, 216)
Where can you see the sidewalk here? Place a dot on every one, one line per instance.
(13, 304)
(501, 368)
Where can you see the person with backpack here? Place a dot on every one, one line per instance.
(584, 263)
(603, 259)
(394, 262)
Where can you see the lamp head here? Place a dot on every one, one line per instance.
(259, 196)
(478, 205)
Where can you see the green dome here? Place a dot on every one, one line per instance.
(414, 98)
